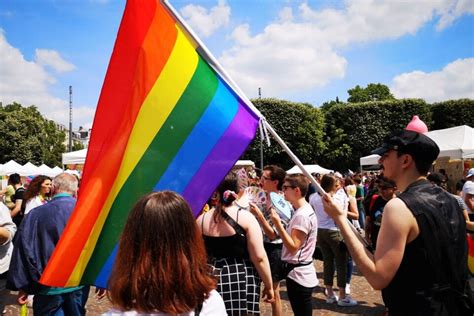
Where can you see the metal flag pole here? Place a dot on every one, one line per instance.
(310, 177)
(293, 157)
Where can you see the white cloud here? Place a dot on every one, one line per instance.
(454, 81)
(303, 51)
(27, 83)
(454, 11)
(48, 57)
(205, 22)
(286, 15)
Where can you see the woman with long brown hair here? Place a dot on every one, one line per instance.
(234, 244)
(161, 265)
(37, 193)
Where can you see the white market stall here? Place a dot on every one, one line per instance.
(310, 169)
(13, 167)
(75, 157)
(244, 163)
(45, 170)
(454, 143)
(31, 169)
(369, 160)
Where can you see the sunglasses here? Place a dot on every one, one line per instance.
(288, 186)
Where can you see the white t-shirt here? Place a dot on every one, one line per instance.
(7, 247)
(341, 197)
(324, 220)
(214, 305)
(468, 188)
(304, 220)
(32, 203)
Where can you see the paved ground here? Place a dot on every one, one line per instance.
(370, 302)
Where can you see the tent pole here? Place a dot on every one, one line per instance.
(293, 157)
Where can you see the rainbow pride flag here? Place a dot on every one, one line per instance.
(166, 120)
(470, 254)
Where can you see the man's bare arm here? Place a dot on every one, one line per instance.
(379, 268)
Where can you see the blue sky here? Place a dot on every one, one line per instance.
(309, 51)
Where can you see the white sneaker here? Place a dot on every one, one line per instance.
(348, 288)
(347, 301)
(332, 299)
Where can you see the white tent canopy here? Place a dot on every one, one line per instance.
(13, 167)
(28, 169)
(310, 169)
(75, 157)
(56, 170)
(455, 143)
(369, 160)
(31, 169)
(244, 163)
(47, 171)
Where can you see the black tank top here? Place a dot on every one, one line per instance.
(441, 239)
(234, 246)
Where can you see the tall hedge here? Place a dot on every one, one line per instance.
(353, 130)
(453, 113)
(300, 125)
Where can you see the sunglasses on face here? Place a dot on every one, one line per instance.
(288, 186)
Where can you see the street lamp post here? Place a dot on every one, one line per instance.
(70, 118)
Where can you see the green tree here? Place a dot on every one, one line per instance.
(77, 146)
(300, 125)
(453, 113)
(28, 136)
(373, 92)
(353, 130)
(326, 106)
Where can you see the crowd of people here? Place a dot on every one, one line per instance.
(403, 230)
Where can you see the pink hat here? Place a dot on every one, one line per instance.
(417, 125)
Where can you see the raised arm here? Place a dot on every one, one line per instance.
(292, 242)
(397, 227)
(267, 228)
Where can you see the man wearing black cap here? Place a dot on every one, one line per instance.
(420, 263)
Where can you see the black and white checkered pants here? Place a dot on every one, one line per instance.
(239, 285)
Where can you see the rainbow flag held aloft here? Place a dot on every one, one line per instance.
(166, 120)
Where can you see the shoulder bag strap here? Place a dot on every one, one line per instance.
(238, 229)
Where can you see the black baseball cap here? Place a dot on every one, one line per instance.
(418, 145)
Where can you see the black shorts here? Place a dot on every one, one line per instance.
(274, 257)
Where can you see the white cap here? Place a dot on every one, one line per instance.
(470, 173)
